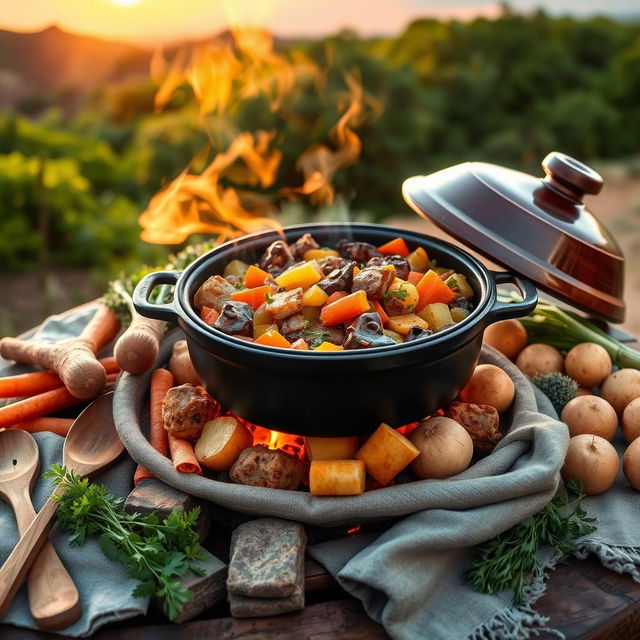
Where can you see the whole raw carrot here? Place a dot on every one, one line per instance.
(30, 384)
(36, 406)
(161, 382)
(183, 456)
(60, 426)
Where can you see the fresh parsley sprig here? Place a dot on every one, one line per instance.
(156, 553)
(509, 561)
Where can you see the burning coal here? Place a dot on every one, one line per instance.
(238, 192)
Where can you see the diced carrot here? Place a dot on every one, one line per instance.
(209, 315)
(377, 307)
(254, 277)
(335, 296)
(329, 346)
(344, 309)
(395, 247)
(254, 297)
(414, 277)
(432, 289)
(273, 339)
(356, 270)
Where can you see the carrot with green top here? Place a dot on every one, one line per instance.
(344, 309)
(432, 288)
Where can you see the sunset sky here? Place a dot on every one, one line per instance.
(147, 21)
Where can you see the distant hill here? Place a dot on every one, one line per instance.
(54, 58)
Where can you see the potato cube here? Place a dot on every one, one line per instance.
(418, 260)
(336, 477)
(314, 297)
(221, 442)
(458, 314)
(402, 324)
(331, 448)
(386, 453)
(319, 254)
(437, 316)
(304, 276)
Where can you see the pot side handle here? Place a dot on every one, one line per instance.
(506, 310)
(141, 293)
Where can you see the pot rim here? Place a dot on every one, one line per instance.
(187, 312)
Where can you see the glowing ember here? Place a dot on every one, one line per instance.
(354, 531)
(275, 440)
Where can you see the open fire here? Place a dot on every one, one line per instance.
(239, 190)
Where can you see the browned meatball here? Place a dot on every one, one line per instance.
(185, 409)
(302, 245)
(259, 466)
(374, 281)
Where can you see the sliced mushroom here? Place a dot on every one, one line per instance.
(402, 266)
(361, 252)
(214, 292)
(374, 281)
(338, 280)
(366, 331)
(236, 319)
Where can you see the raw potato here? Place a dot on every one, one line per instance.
(631, 464)
(620, 388)
(386, 453)
(590, 414)
(221, 442)
(331, 448)
(540, 358)
(445, 448)
(489, 385)
(181, 366)
(337, 477)
(507, 336)
(631, 421)
(592, 462)
(588, 364)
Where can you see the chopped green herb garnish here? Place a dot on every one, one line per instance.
(400, 293)
(452, 283)
(268, 298)
(238, 285)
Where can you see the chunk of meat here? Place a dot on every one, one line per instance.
(402, 266)
(302, 245)
(338, 280)
(319, 333)
(462, 303)
(481, 422)
(328, 264)
(366, 331)
(185, 409)
(284, 304)
(276, 257)
(214, 292)
(417, 332)
(236, 319)
(361, 252)
(292, 328)
(259, 466)
(374, 281)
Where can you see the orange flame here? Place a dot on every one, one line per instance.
(277, 440)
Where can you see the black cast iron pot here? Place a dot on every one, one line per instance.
(342, 393)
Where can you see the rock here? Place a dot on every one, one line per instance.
(207, 590)
(244, 607)
(267, 559)
(152, 495)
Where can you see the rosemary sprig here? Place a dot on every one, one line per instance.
(509, 561)
(563, 329)
(156, 553)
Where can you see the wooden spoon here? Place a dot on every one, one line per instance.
(91, 444)
(53, 597)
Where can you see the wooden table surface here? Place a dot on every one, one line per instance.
(583, 600)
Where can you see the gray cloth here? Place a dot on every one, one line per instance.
(105, 590)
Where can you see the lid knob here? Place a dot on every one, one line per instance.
(570, 176)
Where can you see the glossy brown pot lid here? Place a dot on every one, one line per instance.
(537, 226)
